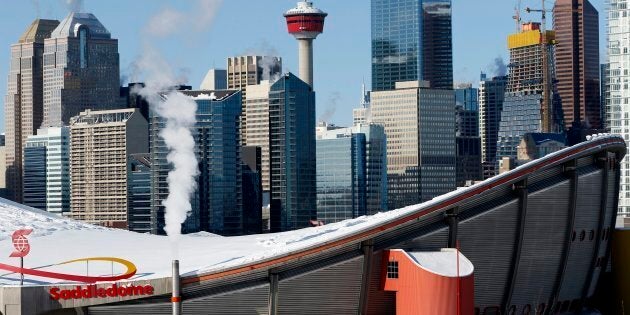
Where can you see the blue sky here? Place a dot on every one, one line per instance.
(342, 53)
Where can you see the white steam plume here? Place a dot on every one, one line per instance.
(177, 110)
(170, 21)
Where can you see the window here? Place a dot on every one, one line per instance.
(392, 270)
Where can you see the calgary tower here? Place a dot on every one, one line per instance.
(305, 22)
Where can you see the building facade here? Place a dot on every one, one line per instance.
(217, 202)
(411, 41)
(576, 23)
(617, 87)
(361, 115)
(491, 94)
(531, 103)
(292, 153)
(215, 79)
(139, 193)
(81, 69)
(100, 143)
(419, 124)
(256, 112)
(351, 172)
(49, 149)
(251, 70)
(34, 183)
(24, 101)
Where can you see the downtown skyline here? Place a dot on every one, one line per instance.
(342, 55)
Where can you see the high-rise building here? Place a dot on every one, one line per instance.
(411, 41)
(256, 114)
(49, 149)
(419, 124)
(251, 70)
(491, 94)
(351, 172)
(3, 168)
(292, 153)
(217, 203)
(361, 115)
(34, 183)
(618, 89)
(100, 143)
(603, 95)
(531, 103)
(215, 79)
(24, 101)
(139, 192)
(576, 23)
(305, 22)
(81, 69)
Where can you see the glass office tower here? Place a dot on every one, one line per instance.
(411, 41)
(341, 176)
(292, 153)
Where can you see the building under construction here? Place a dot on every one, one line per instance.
(531, 103)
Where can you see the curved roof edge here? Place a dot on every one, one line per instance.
(414, 212)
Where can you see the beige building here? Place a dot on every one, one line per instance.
(24, 101)
(100, 142)
(420, 126)
(245, 71)
(256, 113)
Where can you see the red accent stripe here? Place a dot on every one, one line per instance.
(64, 276)
(176, 299)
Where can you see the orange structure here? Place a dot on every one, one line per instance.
(428, 282)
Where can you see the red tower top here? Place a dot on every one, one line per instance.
(305, 21)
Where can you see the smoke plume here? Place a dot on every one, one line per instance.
(498, 67)
(271, 64)
(331, 106)
(74, 5)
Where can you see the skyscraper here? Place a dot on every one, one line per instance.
(256, 113)
(34, 183)
(361, 115)
(351, 172)
(468, 143)
(100, 143)
(243, 71)
(618, 89)
(54, 145)
(491, 94)
(411, 41)
(292, 153)
(24, 101)
(531, 103)
(419, 123)
(217, 203)
(576, 23)
(81, 69)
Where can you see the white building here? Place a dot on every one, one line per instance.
(617, 91)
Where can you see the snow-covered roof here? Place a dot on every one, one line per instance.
(443, 262)
(305, 8)
(56, 239)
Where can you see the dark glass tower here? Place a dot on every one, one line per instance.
(576, 23)
(411, 40)
(292, 153)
